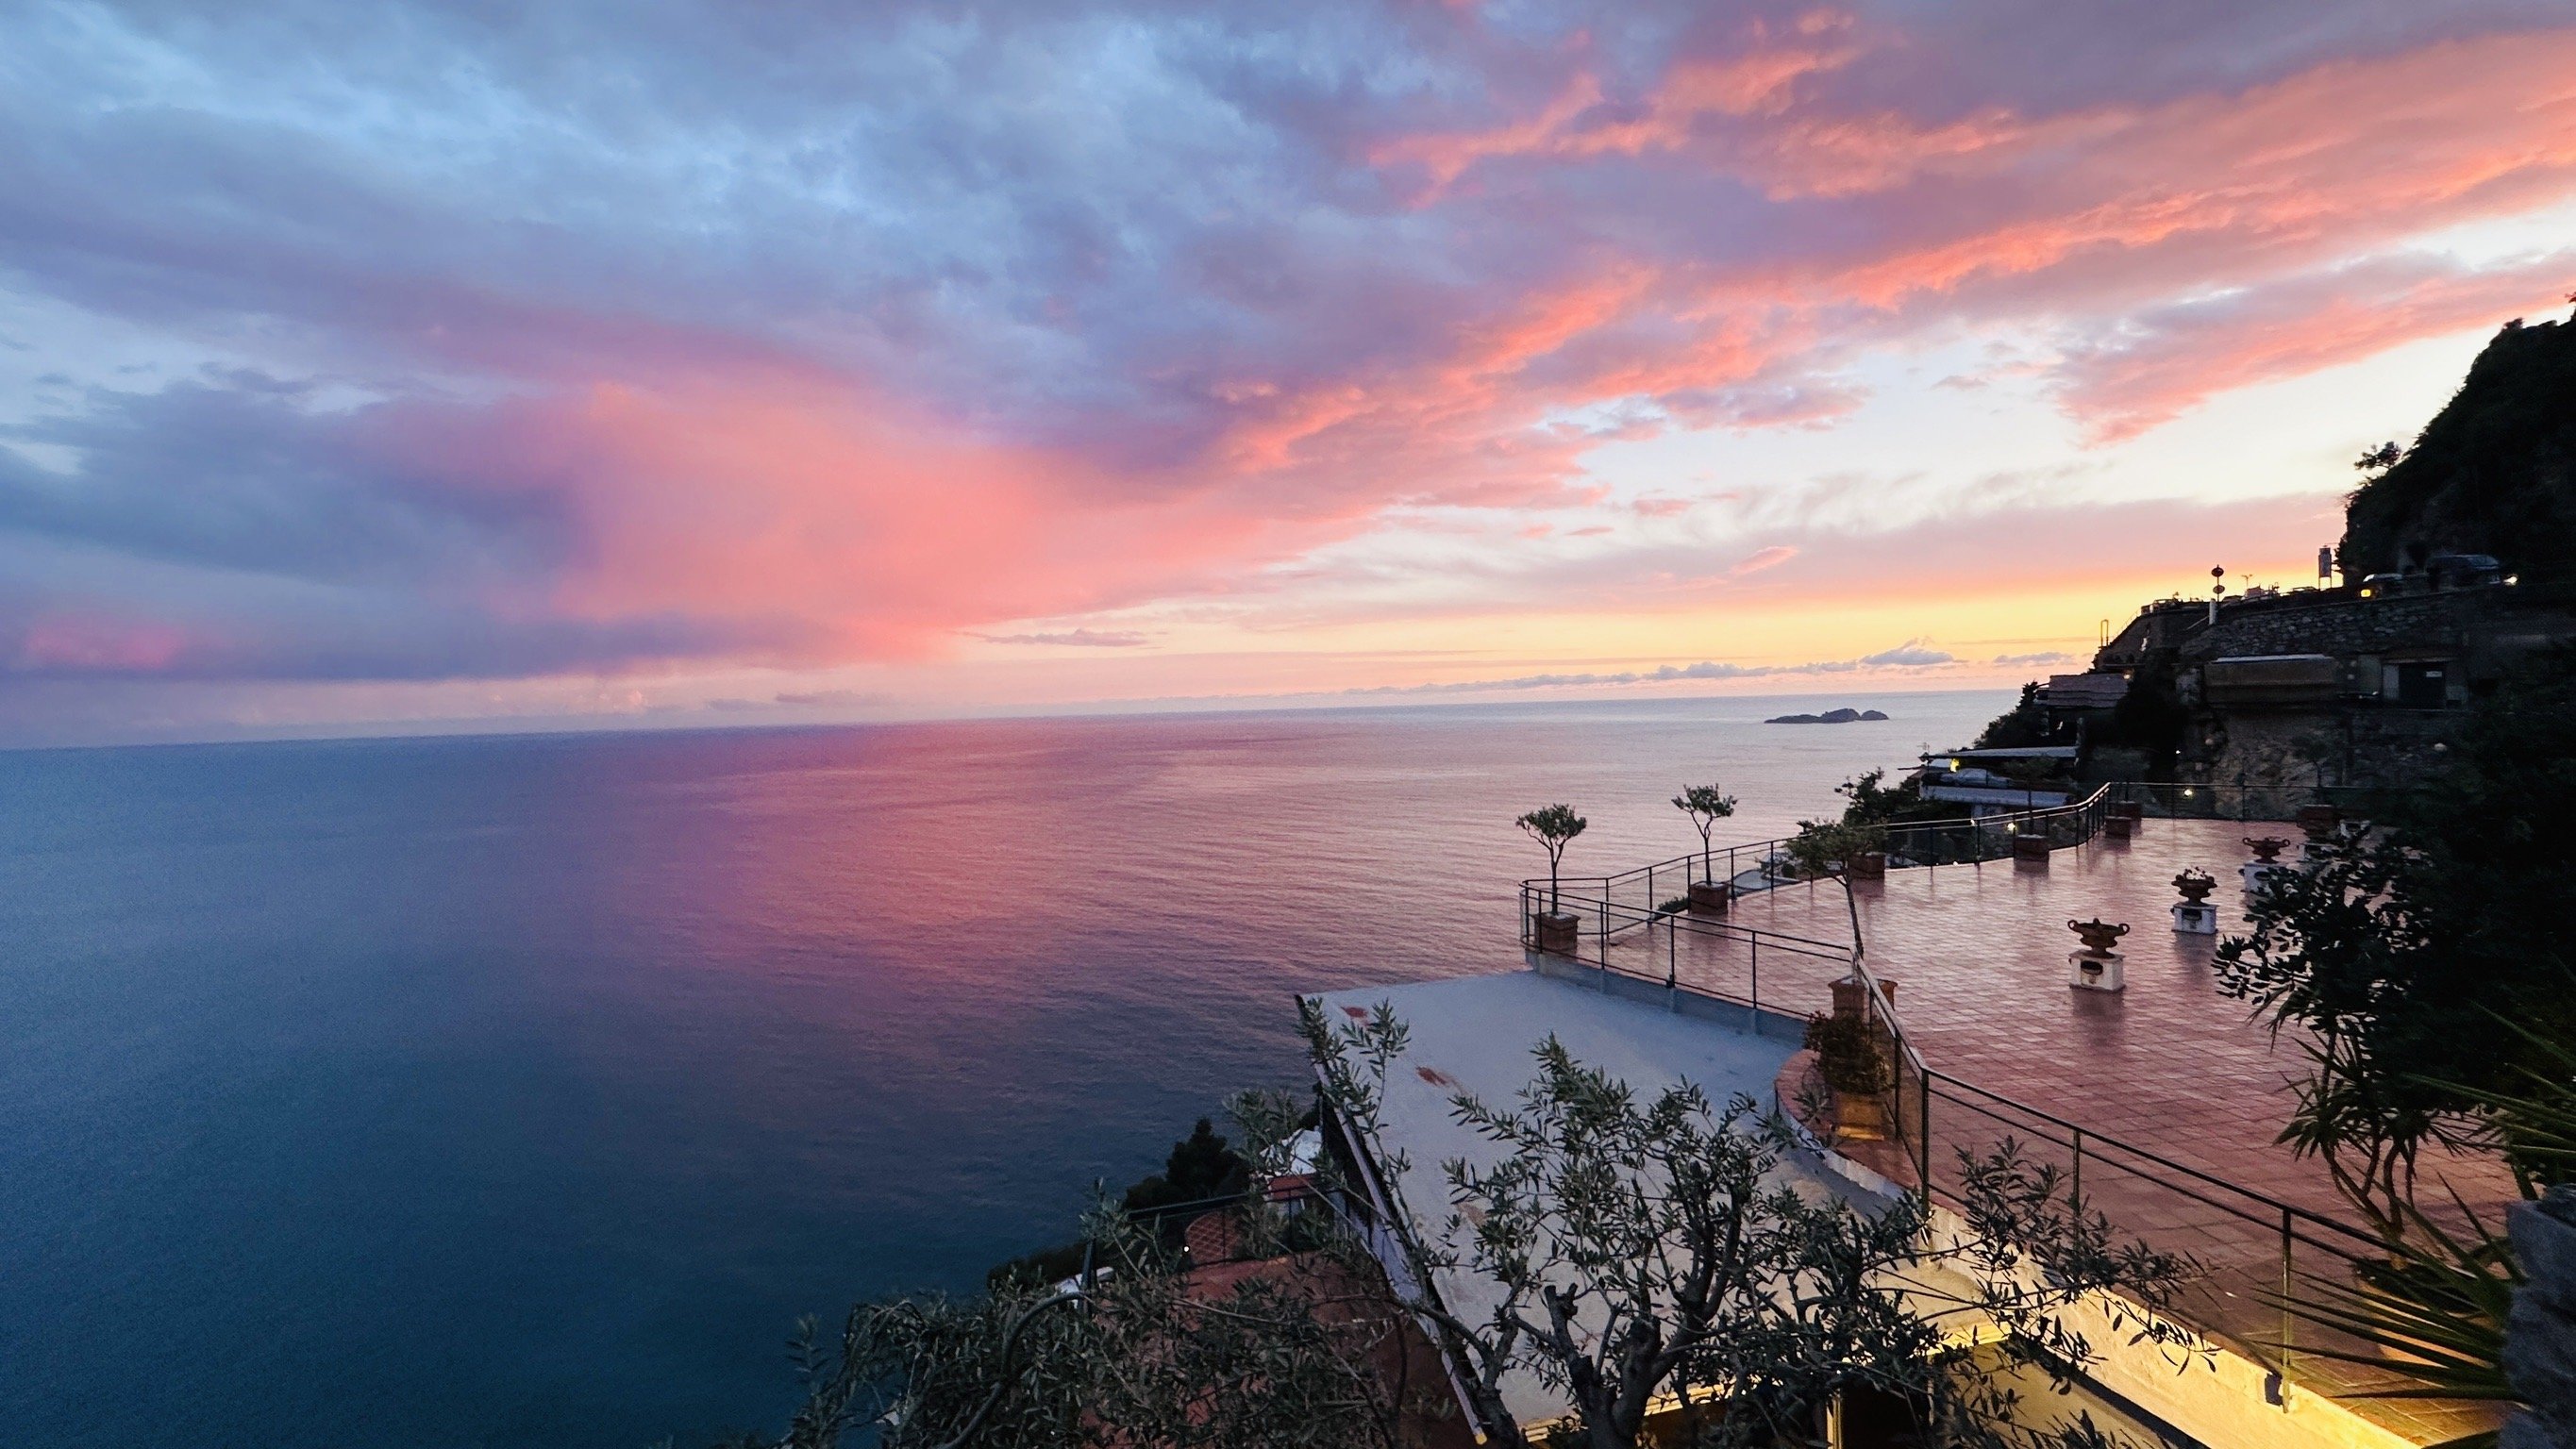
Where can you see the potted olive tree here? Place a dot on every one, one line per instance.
(1706, 805)
(1554, 827)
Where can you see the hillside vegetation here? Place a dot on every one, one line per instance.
(2494, 472)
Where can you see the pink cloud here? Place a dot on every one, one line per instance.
(1765, 558)
(98, 645)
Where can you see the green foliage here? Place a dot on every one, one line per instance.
(2397, 952)
(2022, 725)
(2436, 1309)
(1140, 1353)
(2150, 719)
(1651, 1245)
(1824, 850)
(1201, 1166)
(1875, 802)
(2493, 472)
(1552, 826)
(1848, 1054)
(1705, 805)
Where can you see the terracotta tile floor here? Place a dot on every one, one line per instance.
(2168, 1065)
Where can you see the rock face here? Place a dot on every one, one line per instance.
(1831, 716)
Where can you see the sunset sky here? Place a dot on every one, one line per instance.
(395, 365)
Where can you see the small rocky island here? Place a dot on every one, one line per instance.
(1831, 716)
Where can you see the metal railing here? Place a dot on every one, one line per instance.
(2252, 1248)
(1604, 922)
(1764, 864)
(2247, 802)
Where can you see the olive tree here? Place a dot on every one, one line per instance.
(1138, 1351)
(1651, 1254)
(1705, 805)
(1826, 849)
(1553, 827)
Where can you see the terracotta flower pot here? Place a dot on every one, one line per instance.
(1710, 897)
(2099, 936)
(2266, 848)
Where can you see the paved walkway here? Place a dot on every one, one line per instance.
(2169, 1065)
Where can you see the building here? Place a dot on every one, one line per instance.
(2354, 686)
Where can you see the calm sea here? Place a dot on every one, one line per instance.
(525, 1091)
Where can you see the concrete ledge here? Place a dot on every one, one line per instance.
(1681, 1001)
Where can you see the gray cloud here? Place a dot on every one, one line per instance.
(1077, 638)
(1905, 656)
(1909, 655)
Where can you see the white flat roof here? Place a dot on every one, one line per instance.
(1476, 1034)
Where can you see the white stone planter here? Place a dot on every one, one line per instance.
(2096, 970)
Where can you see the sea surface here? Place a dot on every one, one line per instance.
(524, 1091)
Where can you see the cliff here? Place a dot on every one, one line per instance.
(2493, 473)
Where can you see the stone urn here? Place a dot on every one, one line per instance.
(1710, 897)
(2195, 885)
(2267, 849)
(2096, 967)
(1557, 931)
(2099, 936)
(1869, 865)
(2319, 821)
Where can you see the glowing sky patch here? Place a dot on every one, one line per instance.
(447, 365)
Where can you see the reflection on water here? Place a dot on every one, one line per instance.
(523, 1091)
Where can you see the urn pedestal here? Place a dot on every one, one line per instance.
(2095, 970)
(2195, 918)
(1556, 931)
(2251, 873)
(1710, 897)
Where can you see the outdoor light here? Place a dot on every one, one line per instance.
(2186, 794)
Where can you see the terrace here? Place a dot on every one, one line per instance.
(2164, 1101)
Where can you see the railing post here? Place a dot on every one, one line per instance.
(2289, 1281)
(1672, 951)
(2075, 1190)
(1757, 969)
(1926, 1145)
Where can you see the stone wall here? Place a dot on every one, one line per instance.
(2341, 627)
(2369, 745)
